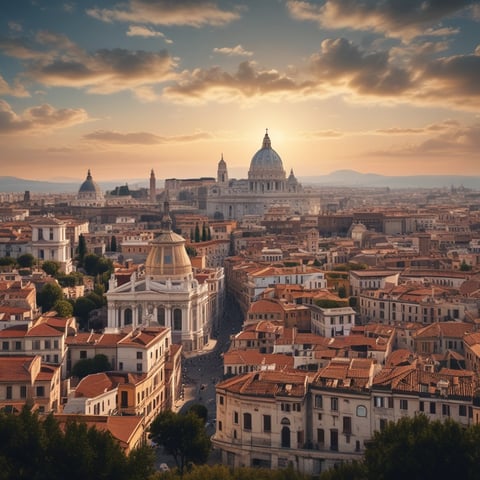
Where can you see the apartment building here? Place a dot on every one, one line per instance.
(26, 379)
(314, 421)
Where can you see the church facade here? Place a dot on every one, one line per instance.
(167, 293)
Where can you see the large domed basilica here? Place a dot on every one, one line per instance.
(267, 185)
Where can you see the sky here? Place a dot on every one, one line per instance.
(377, 86)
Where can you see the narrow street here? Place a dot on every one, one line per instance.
(203, 371)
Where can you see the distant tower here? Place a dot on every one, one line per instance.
(222, 173)
(153, 187)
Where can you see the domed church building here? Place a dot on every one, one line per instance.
(89, 194)
(166, 294)
(266, 185)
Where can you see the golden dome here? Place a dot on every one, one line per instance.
(168, 257)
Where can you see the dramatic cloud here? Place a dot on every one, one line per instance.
(342, 63)
(141, 138)
(234, 51)
(454, 140)
(195, 13)
(17, 90)
(39, 119)
(247, 82)
(146, 32)
(392, 18)
(106, 71)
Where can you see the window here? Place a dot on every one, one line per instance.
(433, 407)
(55, 344)
(139, 367)
(5, 345)
(18, 345)
(390, 402)
(462, 410)
(383, 424)
(422, 406)
(128, 316)
(83, 354)
(247, 421)
(161, 316)
(347, 425)
(47, 344)
(403, 404)
(361, 411)
(177, 319)
(235, 417)
(220, 400)
(267, 423)
(139, 355)
(320, 437)
(40, 391)
(334, 404)
(378, 401)
(9, 392)
(23, 391)
(334, 439)
(220, 426)
(445, 410)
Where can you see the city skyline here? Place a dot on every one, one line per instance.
(377, 87)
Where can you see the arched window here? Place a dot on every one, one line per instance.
(161, 316)
(177, 319)
(285, 437)
(361, 411)
(127, 316)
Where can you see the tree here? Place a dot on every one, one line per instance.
(183, 436)
(27, 260)
(342, 291)
(34, 447)
(51, 267)
(82, 308)
(63, 308)
(81, 249)
(416, 447)
(8, 262)
(191, 251)
(197, 233)
(87, 366)
(465, 267)
(204, 232)
(49, 295)
(201, 411)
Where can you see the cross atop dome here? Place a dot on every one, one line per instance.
(266, 140)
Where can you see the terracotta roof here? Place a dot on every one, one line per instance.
(445, 329)
(16, 368)
(94, 385)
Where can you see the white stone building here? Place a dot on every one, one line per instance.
(167, 294)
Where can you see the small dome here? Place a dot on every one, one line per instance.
(168, 257)
(90, 186)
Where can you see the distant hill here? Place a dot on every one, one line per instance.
(340, 178)
(351, 178)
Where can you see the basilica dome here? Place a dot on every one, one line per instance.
(266, 163)
(89, 186)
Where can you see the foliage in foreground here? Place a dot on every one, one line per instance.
(38, 448)
(182, 436)
(417, 448)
